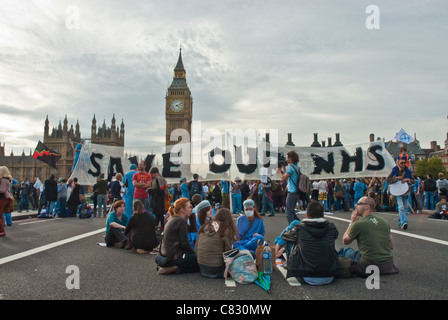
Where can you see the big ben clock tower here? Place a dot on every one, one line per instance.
(178, 103)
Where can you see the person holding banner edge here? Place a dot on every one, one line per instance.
(291, 174)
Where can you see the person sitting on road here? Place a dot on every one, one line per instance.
(250, 227)
(116, 225)
(204, 213)
(313, 257)
(215, 237)
(141, 230)
(441, 210)
(374, 239)
(176, 254)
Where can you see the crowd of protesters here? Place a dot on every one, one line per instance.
(188, 225)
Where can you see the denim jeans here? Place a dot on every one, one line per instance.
(351, 253)
(24, 202)
(102, 205)
(403, 205)
(291, 200)
(429, 200)
(50, 207)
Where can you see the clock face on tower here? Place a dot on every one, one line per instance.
(176, 105)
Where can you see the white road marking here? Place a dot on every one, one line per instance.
(37, 221)
(230, 283)
(48, 246)
(291, 280)
(404, 233)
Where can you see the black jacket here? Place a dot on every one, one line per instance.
(314, 253)
(51, 190)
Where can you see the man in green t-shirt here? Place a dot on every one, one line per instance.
(372, 234)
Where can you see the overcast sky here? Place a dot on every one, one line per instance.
(294, 66)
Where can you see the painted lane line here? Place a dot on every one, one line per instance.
(49, 246)
(291, 280)
(403, 233)
(38, 221)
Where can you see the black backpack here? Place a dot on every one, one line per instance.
(195, 188)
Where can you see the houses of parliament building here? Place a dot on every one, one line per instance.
(63, 140)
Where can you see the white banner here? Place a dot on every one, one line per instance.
(363, 160)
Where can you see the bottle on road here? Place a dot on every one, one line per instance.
(267, 259)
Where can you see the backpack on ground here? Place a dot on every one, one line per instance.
(241, 266)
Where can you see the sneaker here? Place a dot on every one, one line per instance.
(168, 270)
(404, 226)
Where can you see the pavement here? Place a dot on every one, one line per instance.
(16, 215)
(37, 256)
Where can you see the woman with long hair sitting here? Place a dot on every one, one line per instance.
(176, 254)
(215, 237)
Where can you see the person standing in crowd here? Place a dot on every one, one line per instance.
(129, 195)
(430, 187)
(236, 196)
(74, 200)
(6, 196)
(159, 193)
(215, 237)
(180, 257)
(402, 174)
(25, 194)
(373, 236)
(250, 227)
(330, 195)
(62, 197)
(185, 193)
(322, 198)
(35, 194)
(116, 226)
(141, 230)
(94, 197)
(195, 187)
(216, 194)
(291, 174)
(142, 181)
(314, 191)
(101, 189)
(360, 188)
(225, 193)
(51, 194)
(268, 198)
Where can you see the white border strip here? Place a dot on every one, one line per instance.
(48, 246)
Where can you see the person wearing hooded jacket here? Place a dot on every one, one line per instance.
(313, 257)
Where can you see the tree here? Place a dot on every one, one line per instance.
(431, 166)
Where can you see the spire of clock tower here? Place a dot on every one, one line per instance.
(179, 70)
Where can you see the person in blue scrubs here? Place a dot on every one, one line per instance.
(129, 195)
(250, 227)
(185, 193)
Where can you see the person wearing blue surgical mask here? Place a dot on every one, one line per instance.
(250, 227)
